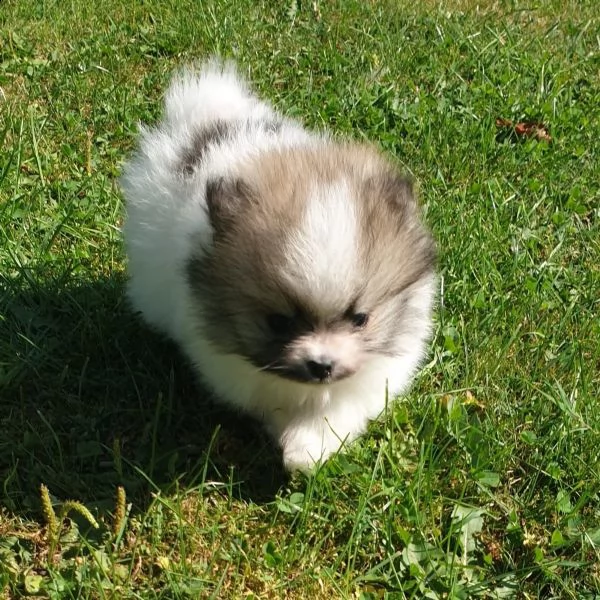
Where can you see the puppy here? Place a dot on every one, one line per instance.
(293, 270)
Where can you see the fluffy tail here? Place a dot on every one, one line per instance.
(197, 97)
(213, 92)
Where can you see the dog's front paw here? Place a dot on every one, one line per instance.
(301, 459)
(304, 450)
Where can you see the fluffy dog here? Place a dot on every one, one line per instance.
(292, 269)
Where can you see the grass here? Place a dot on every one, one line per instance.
(484, 482)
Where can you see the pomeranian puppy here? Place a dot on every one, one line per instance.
(292, 269)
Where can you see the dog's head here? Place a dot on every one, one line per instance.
(319, 261)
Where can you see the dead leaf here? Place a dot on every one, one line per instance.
(529, 129)
(534, 130)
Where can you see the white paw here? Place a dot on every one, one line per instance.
(303, 451)
(302, 458)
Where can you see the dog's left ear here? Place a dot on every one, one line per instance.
(399, 189)
(225, 199)
(395, 188)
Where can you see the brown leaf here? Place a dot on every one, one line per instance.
(534, 130)
(531, 129)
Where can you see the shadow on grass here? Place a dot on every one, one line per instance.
(91, 399)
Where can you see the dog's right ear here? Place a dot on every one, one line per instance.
(225, 199)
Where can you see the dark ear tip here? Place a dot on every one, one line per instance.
(394, 185)
(243, 189)
(224, 198)
(406, 183)
(236, 187)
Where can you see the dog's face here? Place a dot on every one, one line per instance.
(316, 257)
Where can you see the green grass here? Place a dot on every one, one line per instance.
(484, 482)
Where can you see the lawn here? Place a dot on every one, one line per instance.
(120, 478)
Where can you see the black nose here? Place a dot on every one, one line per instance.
(320, 370)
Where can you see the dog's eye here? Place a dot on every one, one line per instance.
(359, 320)
(280, 324)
